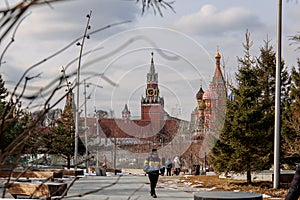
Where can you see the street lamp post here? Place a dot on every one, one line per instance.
(98, 139)
(86, 85)
(115, 154)
(78, 83)
(85, 124)
(277, 98)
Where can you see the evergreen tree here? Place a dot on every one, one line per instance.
(242, 144)
(62, 140)
(267, 67)
(12, 125)
(291, 122)
(8, 119)
(3, 104)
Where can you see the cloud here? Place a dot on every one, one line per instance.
(210, 21)
(49, 28)
(67, 19)
(291, 21)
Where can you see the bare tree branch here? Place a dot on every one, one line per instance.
(156, 6)
(12, 39)
(135, 191)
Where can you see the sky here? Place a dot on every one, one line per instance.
(184, 44)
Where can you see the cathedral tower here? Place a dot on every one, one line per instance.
(126, 113)
(209, 114)
(218, 83)
(215, 99)
(152, 105)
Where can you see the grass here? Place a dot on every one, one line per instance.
(215, 183)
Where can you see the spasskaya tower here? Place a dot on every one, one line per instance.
(152, 105)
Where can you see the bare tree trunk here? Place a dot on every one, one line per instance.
(249, 176)
(68, 162)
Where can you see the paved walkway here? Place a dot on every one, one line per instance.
(124, 187)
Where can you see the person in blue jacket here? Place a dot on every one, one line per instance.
(152, 166)
(169, 166)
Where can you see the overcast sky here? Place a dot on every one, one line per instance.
(184, 45)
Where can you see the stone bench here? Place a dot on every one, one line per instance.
(113, 170)
(30, 174)
(44, 190)
(285, 178)
(65, 172)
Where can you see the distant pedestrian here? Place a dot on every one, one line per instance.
(163, 166)
(177, 164)
(152, 166)
(169, 166)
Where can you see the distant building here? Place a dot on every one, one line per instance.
(46, 119)
(155, 128)
(207, 118)
(209, 114)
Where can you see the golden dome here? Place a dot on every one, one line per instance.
(218, 55)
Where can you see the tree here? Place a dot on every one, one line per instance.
(267, 66)
(291, 135)
(62, 139)
(13, 122)
(243, 144)
(3, 106)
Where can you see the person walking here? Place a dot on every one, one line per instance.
(169, 166)
(152, 166)
(163, 166)
(177, 165)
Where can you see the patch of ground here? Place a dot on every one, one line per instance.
(192, 183)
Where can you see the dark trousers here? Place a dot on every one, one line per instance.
(153, 177)
(162, 171)
(169, 171)
(177, 171)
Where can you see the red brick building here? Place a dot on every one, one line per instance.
(155, 128)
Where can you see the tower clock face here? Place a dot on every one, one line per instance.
(150, 92)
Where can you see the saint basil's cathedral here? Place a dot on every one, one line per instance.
(208, 116)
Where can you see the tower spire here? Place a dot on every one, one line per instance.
(152, 68)
(126, 112)
(152, 76)
(218, 76)
(218, 55)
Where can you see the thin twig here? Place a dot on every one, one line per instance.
(59, 52)
(12, 39)
(135, 191)
(68, 188)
